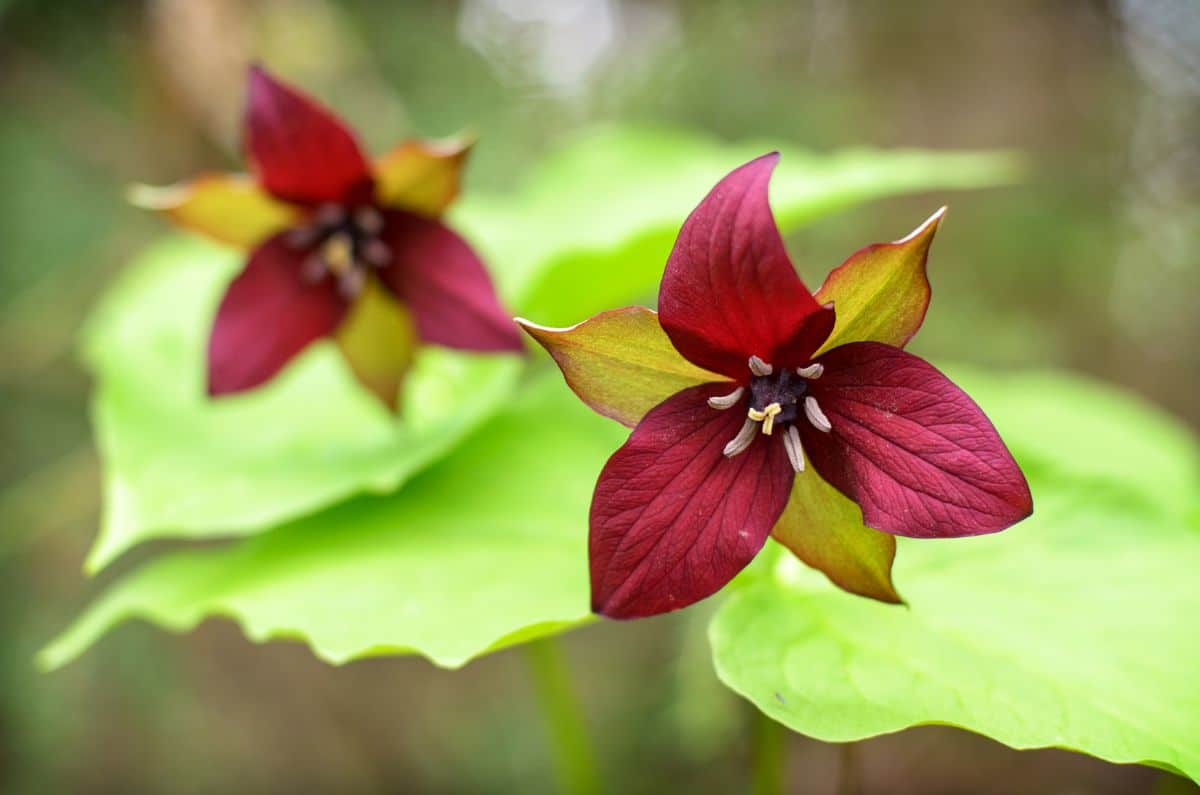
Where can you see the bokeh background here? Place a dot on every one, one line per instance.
(1091, 264)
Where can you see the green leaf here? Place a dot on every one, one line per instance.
(1065, 427)
(484, 549)
(1079, 628)
(179, 464)
(590, 231)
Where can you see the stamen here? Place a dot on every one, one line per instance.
(368, 220)
(795, 451)
(302, 236)
(376, 253)
(351, 282)
(723, 402)
(759, 367)
(815, 415)
(812, 372)
(328, 215)
(766, 416)
(313, 269)
(743, 439)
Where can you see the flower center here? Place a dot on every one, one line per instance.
(343, 243)
(777, 398)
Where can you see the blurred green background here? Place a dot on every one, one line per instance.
(1090, 265)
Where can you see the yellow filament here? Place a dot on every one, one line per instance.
(766, 416)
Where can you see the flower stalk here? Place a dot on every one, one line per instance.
(566, 728)
(768, 755)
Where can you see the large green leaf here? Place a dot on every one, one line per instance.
(486, 548)
(591, 230)
(179, 464)
(1079, 628)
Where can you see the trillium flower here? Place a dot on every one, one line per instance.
(339, 247)
(759, 409)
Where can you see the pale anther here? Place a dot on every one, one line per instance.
(351, 282)
(329, 215)
(368, 220)
(759, 367)
(722, 402)
(817, 417)
(376, 253)
(313, 269)
(812, 372)
(301, 236)
(795, 451)
(743, 439)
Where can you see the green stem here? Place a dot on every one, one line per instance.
(767, 755)
(564, 719)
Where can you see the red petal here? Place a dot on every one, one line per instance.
(447, 289)
(911, 448)
(300, 151)
(729, 290)
(268, 315)
(672, 518)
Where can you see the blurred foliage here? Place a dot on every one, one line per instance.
(1091, 265)
(1036, 636)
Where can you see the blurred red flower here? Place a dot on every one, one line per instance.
(338, 246)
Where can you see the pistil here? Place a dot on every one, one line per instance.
(344, 244)
(776, 400)
(766, 416)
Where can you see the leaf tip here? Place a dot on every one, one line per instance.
(542, 334)
(458, 145)
(926, 230)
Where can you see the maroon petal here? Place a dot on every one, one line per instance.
(910, 447)
(300, 151)
(447, 290)
(268, 315)
(672, 518)
(729, 290)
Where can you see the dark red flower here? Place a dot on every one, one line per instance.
(341, 247)
(773, 384)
